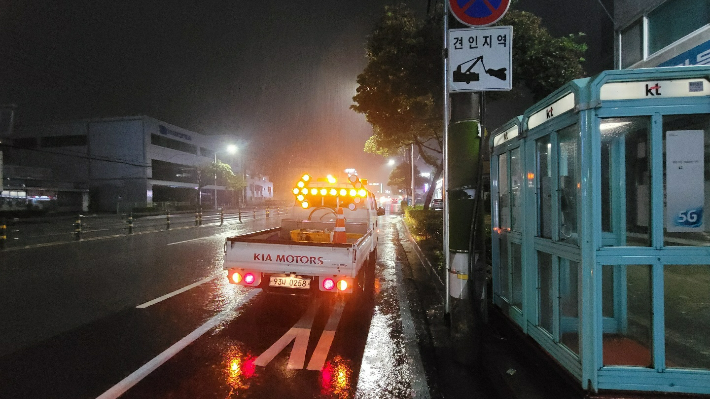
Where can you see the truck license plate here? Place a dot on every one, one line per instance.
(290, 282)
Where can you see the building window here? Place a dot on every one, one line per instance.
(63, 141)
(671, 21)
(632, 44)
(205, 152)
(162, 141)
(169, 171)
(675, 19)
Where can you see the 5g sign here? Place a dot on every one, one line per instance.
(690, 218)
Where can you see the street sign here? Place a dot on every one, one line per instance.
(480, 59)
(479, 12)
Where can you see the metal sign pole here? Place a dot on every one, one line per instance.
(445, 182)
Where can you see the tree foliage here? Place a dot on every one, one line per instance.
(400, 91)
(401, 177)
(541, 62)
(207, 173)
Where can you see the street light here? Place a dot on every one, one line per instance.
(230, 149)
(391, 162)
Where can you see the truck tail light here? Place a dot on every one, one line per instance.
(328, 284)
(342, 285)
(249, 278)
(235, 278)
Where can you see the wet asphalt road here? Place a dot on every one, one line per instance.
(152, 316)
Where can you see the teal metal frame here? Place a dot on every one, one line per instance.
(594, 249)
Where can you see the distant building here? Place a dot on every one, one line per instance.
(125, 162)
(654, 33)
(259, 189)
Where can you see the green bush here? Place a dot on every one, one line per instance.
(428, 224)
(427, 227)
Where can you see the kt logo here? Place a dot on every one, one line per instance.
(653, 90)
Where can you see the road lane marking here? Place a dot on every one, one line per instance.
(135, 377)
(301, 332)
(326, 339)
(181, 290)
(194, 239)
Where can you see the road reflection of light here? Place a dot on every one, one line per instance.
(335, 379)
(239, 368)
(227, 295)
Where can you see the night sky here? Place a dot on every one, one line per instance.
(278, 75)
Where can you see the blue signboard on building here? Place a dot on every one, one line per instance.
(698, 55)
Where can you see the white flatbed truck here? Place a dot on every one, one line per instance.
(306, 254)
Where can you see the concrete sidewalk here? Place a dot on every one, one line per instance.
(503, 369)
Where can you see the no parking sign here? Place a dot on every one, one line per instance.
(479, 12)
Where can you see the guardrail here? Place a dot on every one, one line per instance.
(37, 231)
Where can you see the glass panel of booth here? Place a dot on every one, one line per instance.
(503, 192)
(687, 315)
(516, 275)
(545, 294)
(625, 181)
(568, 184)
(504, 269)
(686, 179)
(570, 289)
(543, 164)
(516, 184)
(627, 322)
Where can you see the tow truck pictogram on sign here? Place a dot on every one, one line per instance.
(469, 76)
(480, 59)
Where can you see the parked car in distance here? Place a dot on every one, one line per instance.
(437, 204)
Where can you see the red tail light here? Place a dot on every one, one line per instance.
(328, 284)
(249, 278)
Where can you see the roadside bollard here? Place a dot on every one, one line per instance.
(239, 212)
(267, 212)
(130, 223)
(167, 216)
(77, 229)
(3, 234)
(221, 216)
(254, 215)
(197, 218)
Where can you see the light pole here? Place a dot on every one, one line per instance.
(230, 149)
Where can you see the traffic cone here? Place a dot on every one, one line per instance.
(339, 236)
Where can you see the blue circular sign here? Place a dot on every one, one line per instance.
(479, 12)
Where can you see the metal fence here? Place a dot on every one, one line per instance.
(53, 229)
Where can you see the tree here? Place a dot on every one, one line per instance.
(401, 178)
(541, 63)
(236, 183)
(400, 91)
(207, 173)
